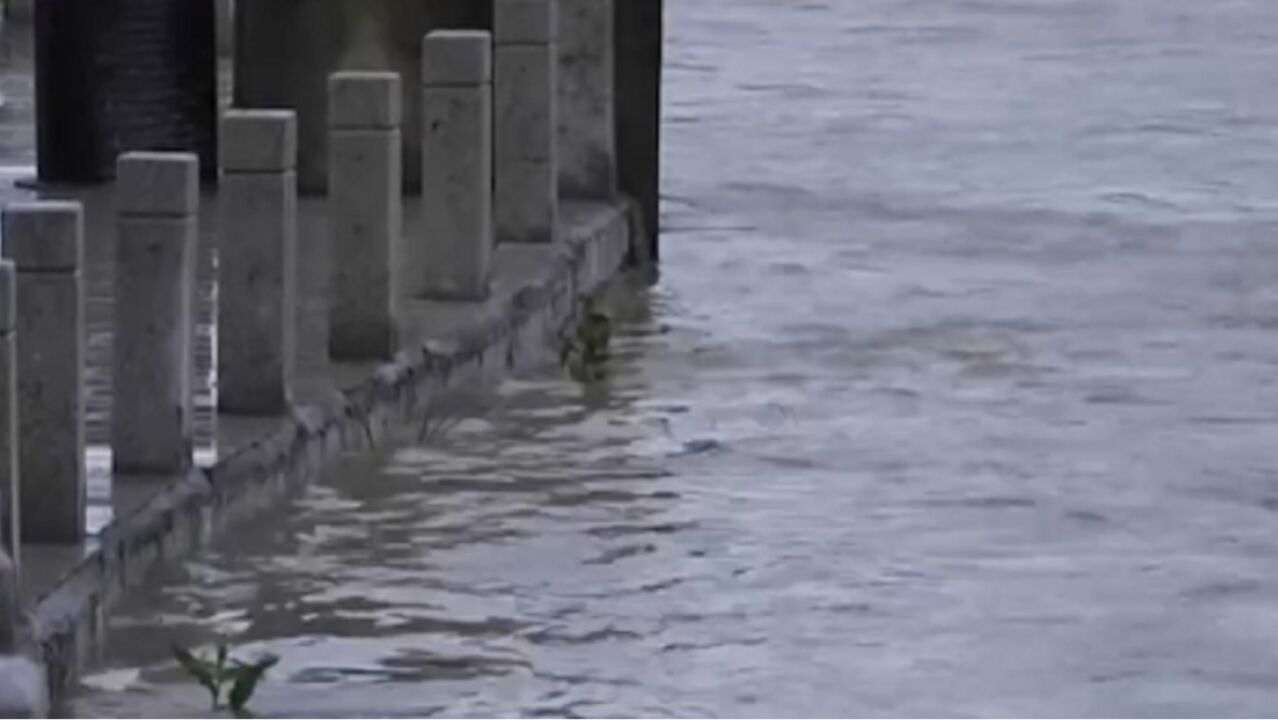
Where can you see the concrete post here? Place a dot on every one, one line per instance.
(587, 144)
(45, 241)
(257, 263)
(157, 201)
(10, 485)
(526, 120)
(10, 605)
(365, 206)
(457, 159)
(639, 38)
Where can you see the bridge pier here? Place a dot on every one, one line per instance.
(113, 76)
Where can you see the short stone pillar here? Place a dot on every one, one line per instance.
(45, 241)
(587, 138)
(157, 201)
(257, 263)
(365, 206)
(455, 255)
(10, 485)
(525, 90)
(10, 605)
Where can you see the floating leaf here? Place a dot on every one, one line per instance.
(198, 669)
(246, 678)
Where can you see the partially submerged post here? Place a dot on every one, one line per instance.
(45, 241)
(526, 120)
(157, 201)
(10, 483)
(257, 263)
(365, 207)
(455, 254)
(587, 140)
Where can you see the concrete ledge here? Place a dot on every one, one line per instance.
(536, 289)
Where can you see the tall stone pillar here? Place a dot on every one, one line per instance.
(587, 143)
(526, 98)
(454, 258)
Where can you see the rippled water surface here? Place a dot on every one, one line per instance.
(956, 396)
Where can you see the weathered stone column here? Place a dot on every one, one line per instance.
(45, 241)
(526, 120)
(587, 144)
(457, 160)
(10, 484)
(365, 206)
(157, 201)
(257, 263)
(640, 38)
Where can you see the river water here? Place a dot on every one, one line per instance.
(956, 396)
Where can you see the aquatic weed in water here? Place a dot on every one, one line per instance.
(222, 673)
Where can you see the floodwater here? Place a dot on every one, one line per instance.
(956, 397)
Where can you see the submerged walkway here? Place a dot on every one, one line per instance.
(319, 382)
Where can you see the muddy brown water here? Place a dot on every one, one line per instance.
(956, 397)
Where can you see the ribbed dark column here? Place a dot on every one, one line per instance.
(120, 75)
(639, 52)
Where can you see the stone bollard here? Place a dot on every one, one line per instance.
(157, 203)
(257, 263)
(457, 190)
(22, 687)
(10, 605)
(365, 207)
(587, 138)
(525, 120)
(45, 241)
(10, 485)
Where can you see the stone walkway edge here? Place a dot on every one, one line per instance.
(460, 342)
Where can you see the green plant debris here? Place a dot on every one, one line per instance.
(222, 675)
(585, 348)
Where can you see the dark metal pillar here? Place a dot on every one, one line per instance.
(119, 75)
(639, 32)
